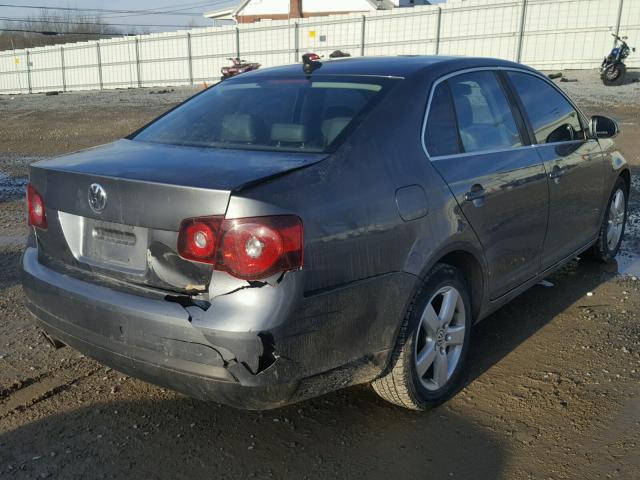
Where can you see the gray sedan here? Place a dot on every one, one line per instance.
(295, 230)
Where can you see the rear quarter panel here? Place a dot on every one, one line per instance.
(348, 204)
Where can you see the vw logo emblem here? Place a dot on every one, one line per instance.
(97, 197)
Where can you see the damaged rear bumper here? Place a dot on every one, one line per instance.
(149, 338)
(290, 353)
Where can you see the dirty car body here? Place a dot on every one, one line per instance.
(343, 155)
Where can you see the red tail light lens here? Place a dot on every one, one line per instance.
(248, 248)
(198, 238)
(35, 205)
(259, 247)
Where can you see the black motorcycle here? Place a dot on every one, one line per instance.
(613, 69)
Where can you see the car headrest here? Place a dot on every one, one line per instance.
(332, 127)
(238, 128)
(289, 133)
(464, 110)
(462, 89)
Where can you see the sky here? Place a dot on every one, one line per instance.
(190, 11)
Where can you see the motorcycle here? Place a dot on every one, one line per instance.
(238, 67)
(613, 69)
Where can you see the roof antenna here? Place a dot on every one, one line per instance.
(310, 62)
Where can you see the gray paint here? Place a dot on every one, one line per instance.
(378, 213)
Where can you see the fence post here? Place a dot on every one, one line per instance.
(138, 62)
(237, 42)
(29, 71)
(438, 30)
(64, 80)
(521, 31)
(363, 35)
(296, 41)
(190, 64)
(620, 5)
(99, 64)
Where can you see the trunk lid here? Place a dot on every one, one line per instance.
(148, 190)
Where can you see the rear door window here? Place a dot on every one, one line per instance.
(441, 132)
(485, 118)
(552, 117)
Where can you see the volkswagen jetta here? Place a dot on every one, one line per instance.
(294, 231)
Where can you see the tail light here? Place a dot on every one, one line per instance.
(248, 248)
(197, 239)
(35, 205)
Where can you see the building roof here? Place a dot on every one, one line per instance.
(230, 13)
(226, 14)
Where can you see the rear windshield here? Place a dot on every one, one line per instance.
(290, 114)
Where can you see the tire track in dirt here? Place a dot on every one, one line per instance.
(31, 391)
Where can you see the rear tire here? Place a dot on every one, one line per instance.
(613, 224)
(428, 360)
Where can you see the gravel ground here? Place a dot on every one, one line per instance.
(129, 98)
(586, 88)
(552, 391)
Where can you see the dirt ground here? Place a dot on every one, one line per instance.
(552, 392)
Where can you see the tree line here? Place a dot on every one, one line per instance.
(52, 28)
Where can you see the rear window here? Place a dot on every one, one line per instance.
(289, 114)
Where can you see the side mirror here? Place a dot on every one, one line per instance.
(603, 127)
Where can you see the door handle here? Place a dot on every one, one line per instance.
(476, 195)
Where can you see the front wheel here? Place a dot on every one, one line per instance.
(613, 76)
(432, 345)
(613, 225)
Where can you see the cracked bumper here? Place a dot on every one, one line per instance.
(150, 339)
(254, 349)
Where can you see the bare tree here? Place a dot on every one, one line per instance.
(48, 28)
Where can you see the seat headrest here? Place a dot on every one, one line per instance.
(462, 89)
(289, 133)
(464, 110)
(238, 128)
(332, 127)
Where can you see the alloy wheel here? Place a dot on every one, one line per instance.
(440, 337)
(616, 219)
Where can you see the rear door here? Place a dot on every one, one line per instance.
(478, 143)
(573, 161)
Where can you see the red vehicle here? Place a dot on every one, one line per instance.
(238, 67)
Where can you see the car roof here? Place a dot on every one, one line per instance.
(389, 66)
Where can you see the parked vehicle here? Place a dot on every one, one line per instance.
(288, 233)
(238, 66)
(613, 69)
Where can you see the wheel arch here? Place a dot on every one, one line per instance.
(472, 265)
(473, 272)
(625, 174)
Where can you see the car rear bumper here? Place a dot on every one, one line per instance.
(150, 339)
(315, 349)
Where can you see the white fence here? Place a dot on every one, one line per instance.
(546, 34)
